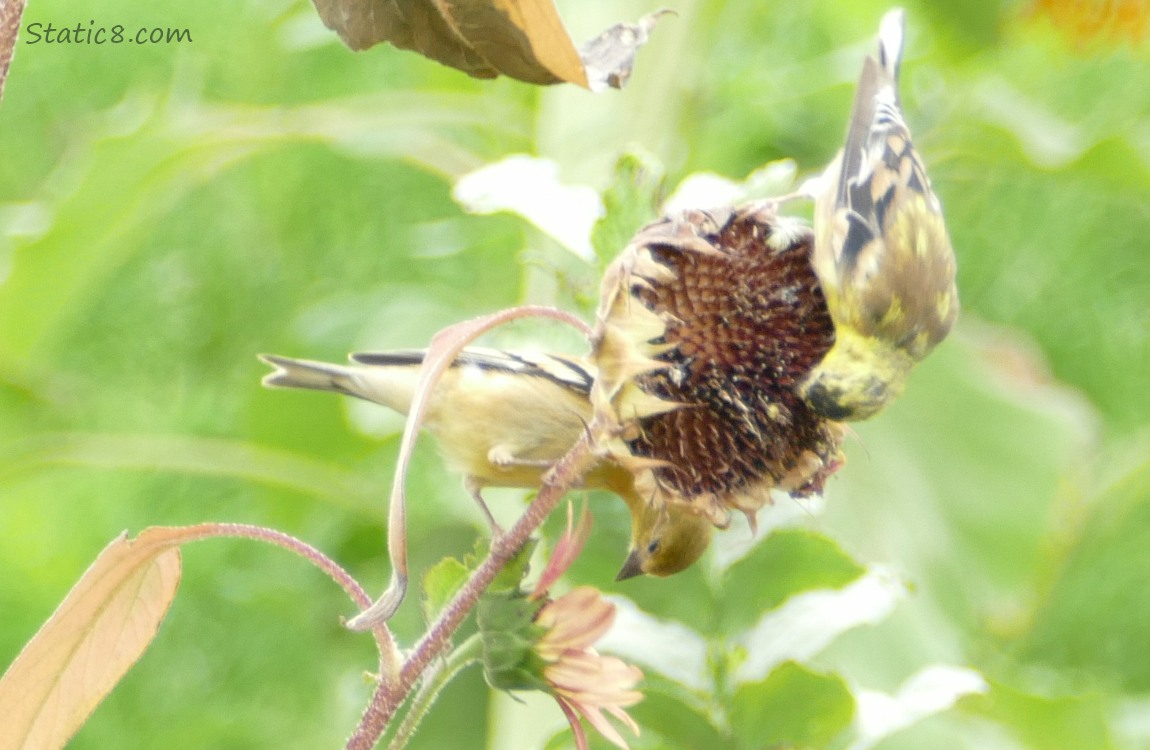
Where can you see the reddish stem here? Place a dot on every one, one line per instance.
(388, 653)
(389, 697)
(11, 12)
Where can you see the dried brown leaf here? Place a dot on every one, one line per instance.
(609, 57)
(522, 39)
(93, 638)
(408, 24)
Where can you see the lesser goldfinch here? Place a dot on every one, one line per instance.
(881, 254)
(502, 418)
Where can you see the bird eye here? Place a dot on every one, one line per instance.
(653, 547)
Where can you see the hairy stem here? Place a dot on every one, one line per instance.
(467, 653)
(445, 346)
(388, 652)
(11, 11)
(390, 696)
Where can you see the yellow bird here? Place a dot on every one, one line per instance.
(881, 254)
(502, 418)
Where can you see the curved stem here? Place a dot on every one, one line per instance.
(466, 654)
(388, 652)
(390, 696)
(394, 686)
(444, 348)
(10, 13)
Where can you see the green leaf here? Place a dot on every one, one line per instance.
(1096, 616)
(788, 562)
(794, 706)
(670, 717)
(440, 583)
(687, 597)
(513, 573)
(631, 201)
(971, 460)
(1047, 723)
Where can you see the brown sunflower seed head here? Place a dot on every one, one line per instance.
(707, 322)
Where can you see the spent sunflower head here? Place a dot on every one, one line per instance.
(707, 322)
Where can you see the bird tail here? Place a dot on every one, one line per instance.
(304, 373)
(890, 40)
(390, 386)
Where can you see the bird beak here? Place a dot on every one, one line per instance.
(632, 566)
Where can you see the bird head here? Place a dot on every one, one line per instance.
(665, 541)
(857, 378)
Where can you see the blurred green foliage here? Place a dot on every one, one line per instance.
(166, 212)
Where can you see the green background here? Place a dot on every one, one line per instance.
(166, 212)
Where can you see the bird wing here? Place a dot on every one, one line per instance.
(569, 372)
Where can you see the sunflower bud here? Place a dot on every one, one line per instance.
(707, 322)
(535, 644)
(532, 642)
(507, 626)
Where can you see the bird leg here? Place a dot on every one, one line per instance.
(503, 457)
(474, 488)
